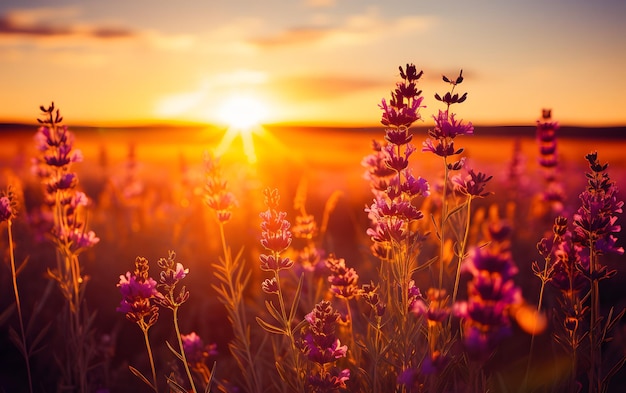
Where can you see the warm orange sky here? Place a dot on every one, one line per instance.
(321, 61)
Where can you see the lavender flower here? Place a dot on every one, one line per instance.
(8, 205)
(195, 349)
(275, 235)
(595, 220)
(553, 192)
(343, 280)
(472, 185)
(138, 289)
(217, 196)
(319, 343)
(171, 274)
(491, 294)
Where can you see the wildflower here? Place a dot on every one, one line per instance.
(195, 349)
(472, 185)
(491, 294)
(137, 290)
(434, 309)
(441, 138)
(8, 205)
(595, 220)
(319, 342)
(369, 292)
(343, 280)
(217, 196)
(275, 234)
(171, 274)
(270, 285)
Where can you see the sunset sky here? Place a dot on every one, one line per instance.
(310, 61)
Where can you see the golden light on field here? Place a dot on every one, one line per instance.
(243, 114)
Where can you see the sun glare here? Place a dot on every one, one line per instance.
(243, 115)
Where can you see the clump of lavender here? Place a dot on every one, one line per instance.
(322, 348)
(552, 194)
(230, 272)
(395, 232)
(139, 291)
(55, 145)
(8, 211)
(276, 238)
(594, 229)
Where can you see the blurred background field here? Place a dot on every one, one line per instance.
(146, 188)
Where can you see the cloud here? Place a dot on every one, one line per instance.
(55, 23)
(360, 28)
(311, 87)
(320, 3)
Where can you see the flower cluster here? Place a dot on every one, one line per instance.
(217, 196)
(53, 165)
(275, 238)
(138, 289)
(594, 222)
(8, 205)
(393, 184)
(343, 280)
(171, 274)
(491, 293)
(195, 349)
(321, 345)
(473, 185)
(548, 160)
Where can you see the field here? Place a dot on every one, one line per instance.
(146, 187)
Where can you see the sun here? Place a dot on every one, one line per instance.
(243, 114)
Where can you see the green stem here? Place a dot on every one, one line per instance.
(144, 329)
(182, 350)
(594, 380)
(444, 213)
(462, 250)
(19, 306)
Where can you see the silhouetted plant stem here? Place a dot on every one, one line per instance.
(18, 305)
(182, 349)
(144, 328)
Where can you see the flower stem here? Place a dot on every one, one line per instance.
(144, 329)
(182, 349)
(19, 306)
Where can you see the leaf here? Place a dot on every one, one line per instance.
(175, 386)
(139, 375)
(272, 309)
(17, 340)
(39, 337)
(175, 352)
(208, 384)
(296, 299)
(268, 327)
(6, 314)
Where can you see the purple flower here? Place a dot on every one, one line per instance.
(195, 350)
(137, 290)
(275, 234)
(472, 185)
(343, 280)
(595, 220)
(7, 205)
(217, 196)
(319, 342)
(270, 285)
(441, 138)
(171, 274)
